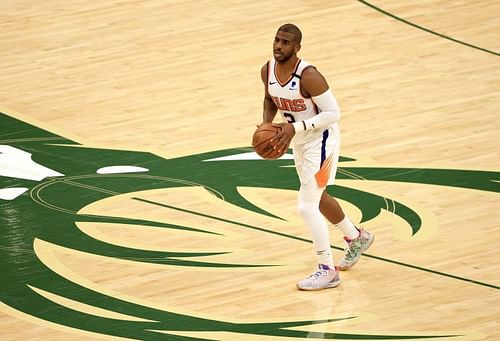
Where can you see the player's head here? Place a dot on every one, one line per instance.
(286, 42)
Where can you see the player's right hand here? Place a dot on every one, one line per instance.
(282, 140)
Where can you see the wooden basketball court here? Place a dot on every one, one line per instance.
(184, 248)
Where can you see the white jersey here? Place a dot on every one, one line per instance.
(292, 104)
(316, 151)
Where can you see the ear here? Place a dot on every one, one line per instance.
(297, 48)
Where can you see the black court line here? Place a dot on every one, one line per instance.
(309, 241)
(426, 29)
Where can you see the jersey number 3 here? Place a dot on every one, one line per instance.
(289, 117)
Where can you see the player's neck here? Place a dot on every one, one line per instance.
(287, 66)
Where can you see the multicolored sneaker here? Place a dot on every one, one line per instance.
(324, 277)
(355, 248)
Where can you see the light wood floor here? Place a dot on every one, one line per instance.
(178, 78)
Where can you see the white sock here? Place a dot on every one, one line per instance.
(319, 231)
(325, 257)
(347, 228)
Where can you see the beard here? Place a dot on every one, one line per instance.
(282, 57)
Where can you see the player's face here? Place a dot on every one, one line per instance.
(284, 46)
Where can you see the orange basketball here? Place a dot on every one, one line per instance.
(261, 141)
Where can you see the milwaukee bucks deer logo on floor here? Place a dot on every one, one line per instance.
(48, 183)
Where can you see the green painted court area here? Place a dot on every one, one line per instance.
(57, 177)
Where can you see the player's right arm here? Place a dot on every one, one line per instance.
(270, 108)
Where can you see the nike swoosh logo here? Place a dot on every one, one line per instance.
(271, 83)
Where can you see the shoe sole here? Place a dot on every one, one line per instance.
(330, 285)
(347, 267)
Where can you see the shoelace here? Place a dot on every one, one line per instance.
(317, 274)
(352, 248)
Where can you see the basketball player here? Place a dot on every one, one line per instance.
(311, 114)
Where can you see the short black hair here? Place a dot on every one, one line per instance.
(291, 28)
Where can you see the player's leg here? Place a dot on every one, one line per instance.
(326, 276)
(332, 211)
(308, 205)
(357, 240)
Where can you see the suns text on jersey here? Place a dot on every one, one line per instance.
(286, 104)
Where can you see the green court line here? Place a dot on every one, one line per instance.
(223, 220)
(32, 139)
(309, 241)
(426, 29)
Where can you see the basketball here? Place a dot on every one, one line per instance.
(261, 141)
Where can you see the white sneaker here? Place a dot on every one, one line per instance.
(355, 248)
(324, 277)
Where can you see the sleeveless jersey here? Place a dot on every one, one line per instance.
(292, 105)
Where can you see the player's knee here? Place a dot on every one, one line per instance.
(306, 208)
(301, 208)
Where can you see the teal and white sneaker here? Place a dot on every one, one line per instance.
(325, 277)
(354, 249)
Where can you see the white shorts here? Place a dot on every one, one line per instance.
(319, 158)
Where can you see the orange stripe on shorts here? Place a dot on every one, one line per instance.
(323, 174)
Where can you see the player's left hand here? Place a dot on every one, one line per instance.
(282, 140)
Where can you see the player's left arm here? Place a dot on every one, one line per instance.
(314, 85)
